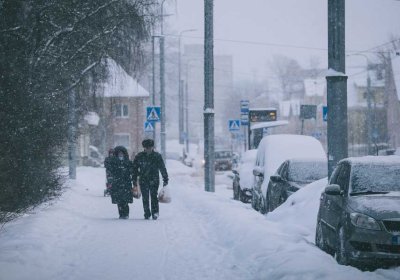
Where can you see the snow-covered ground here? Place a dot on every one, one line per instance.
(198, 236)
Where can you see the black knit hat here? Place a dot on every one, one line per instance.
(148, 143)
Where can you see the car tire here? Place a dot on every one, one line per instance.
(340, 252)
(320, 240)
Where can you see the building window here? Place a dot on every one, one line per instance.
(122, 139)
(121, 110)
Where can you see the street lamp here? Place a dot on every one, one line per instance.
(180, 87)
(162, 86)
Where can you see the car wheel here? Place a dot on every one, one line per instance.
(320, 240)
(340, 252)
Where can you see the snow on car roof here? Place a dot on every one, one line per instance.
(308, 159)
(373, 160)
(280, 147)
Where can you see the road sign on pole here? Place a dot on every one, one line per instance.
(234, 125)
(153, 114)
(148, 126)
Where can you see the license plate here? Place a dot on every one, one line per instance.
(396, 240)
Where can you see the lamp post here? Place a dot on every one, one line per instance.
(180, 89)
(162, 85)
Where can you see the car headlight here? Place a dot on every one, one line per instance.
(364, 221)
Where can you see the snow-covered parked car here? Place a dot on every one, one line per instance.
(243, 177)
(291, 176)
(272, 151)
(359, 214)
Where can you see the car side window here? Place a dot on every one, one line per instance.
(343, 177)
(284, 171)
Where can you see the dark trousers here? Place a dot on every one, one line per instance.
(123, 209)
(149, 192)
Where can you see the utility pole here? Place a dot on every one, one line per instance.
(209, 96)
(162, 85)
(72, 134)
(187, 115)
(336, 85)
(162, 97)
(153, 92)
(369, 113)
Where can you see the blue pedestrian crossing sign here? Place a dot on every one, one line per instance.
(148, 126)
(234, 125)
(153, 114)
(325, 113)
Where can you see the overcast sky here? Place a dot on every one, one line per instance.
(297, 23)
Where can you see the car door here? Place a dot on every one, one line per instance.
(275, 188)
(325, 214)
(338, 201)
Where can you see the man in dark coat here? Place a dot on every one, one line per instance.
(147, 166)
(121, 191)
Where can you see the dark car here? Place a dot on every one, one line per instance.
(359, 214)
(292, 175)
(223, 160)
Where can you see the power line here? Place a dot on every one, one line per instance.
(285, 45)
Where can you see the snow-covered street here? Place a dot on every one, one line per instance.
(198, 236)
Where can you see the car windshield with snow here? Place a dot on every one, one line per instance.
(359, 214)
(369, 179)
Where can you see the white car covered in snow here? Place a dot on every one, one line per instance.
(272, 152)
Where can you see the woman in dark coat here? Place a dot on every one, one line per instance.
(121, 190)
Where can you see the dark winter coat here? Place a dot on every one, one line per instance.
(147, 166)
(121, 173)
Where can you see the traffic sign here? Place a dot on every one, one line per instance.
(234, 125)
(153, 114)
(148, 127)
(325, 113)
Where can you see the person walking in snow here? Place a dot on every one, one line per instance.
(147, 165)
(121, 191)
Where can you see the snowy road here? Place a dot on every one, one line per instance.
(198, 236)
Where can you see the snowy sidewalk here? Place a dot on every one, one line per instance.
(198, 236)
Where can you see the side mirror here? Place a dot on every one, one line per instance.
(276, 178)
(333, 190)
(258, 172)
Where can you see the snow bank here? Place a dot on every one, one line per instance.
(198, 236)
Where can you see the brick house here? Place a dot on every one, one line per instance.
(122, 113)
